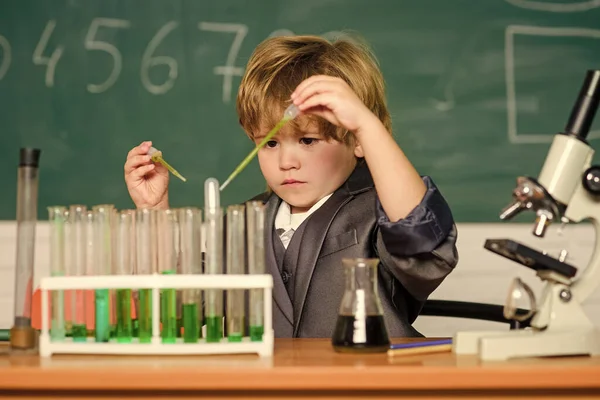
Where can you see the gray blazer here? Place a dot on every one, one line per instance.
(416, 253)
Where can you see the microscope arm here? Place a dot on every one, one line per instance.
(581, 207)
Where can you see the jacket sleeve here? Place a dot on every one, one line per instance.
(419, 251)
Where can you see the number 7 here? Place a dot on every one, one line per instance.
(229, 70)
(93, 44)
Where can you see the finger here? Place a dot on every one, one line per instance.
(324, 113)
(136, 161)
(141, 149)
(309, 81)
(139, 173)
(326, 100)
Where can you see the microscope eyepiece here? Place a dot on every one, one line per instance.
(585, 107)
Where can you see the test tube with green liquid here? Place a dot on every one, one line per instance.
(57, 218)
(103, 266)
(90, 263)
(255, 217)
(145, 250)
(77, 267)
(123, 266)
(213, 298)
(190, 222)
(236, 257)
(167, 232)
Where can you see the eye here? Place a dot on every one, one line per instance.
(271, 143)
(308, 141)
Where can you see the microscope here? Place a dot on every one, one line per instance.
(567, 190)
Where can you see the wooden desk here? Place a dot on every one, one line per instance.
(301, 368)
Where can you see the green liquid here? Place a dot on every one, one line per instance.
(145, 317)
(102, 315)
(79, 333)
(214, 329)
(256, 333)
(168, 313)
(136, 327)
(234, 337)
(124, 325)
(191, 325)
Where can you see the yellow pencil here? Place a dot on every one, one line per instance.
(420, 350)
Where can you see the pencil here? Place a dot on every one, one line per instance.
(440, 348)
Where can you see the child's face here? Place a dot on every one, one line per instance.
(301, 167)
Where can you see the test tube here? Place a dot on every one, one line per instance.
(123, 266)
(145, 220)
(22, 335)
(90, 264)
(214, 259)
(190, 220)
(57, 217)
(77, 267)
(236, 236)
(167, 232)
(255, 215)
(103, 266)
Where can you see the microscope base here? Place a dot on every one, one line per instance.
(498, 345)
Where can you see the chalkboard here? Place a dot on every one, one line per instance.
(476, 88)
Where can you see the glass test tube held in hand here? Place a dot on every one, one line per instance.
(236, 236)
(22, 335)
(57, 217)
(103, 266)
(167, 232)
(77, 244)
(213, 298)
(255, 215)
(123, 266)
(190, 221)
(146, 262)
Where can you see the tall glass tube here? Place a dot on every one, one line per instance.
(22, 335)
(190, 221)
(77, 267)
(123, 266)
(214, 259)
(145, 219)
(103, 266)
(255, 215)
(167, 264)
(236, 262)
(57, 217)
(90, 264)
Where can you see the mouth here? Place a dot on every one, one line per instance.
(291, 182)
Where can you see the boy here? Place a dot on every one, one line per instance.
(340, 187)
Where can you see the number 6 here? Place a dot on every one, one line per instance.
(148, 62)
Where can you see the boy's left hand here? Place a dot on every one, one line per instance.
(331, 98)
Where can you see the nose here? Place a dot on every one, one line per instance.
(288, 158)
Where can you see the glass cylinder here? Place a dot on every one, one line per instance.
(103, 216)
(123, 266)
(77, 267)
(22, 335)
(168, 248)
(236, 263)
(360, 325)
(57, 217)
(190, 224)
(255, 217)
(146, 260)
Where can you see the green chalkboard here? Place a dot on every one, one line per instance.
(476, 88)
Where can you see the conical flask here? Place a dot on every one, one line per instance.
(360, 325)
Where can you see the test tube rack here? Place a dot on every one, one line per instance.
(157, 282)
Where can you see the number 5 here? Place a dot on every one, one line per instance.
(93, 44)
(5, 56)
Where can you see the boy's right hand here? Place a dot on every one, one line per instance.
(147, 182)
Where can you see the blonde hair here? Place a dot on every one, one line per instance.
(279, 64)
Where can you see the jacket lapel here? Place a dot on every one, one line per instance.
(280, 295)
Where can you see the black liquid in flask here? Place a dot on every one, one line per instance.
(360, 325)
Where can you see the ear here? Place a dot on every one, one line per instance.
(358, 151)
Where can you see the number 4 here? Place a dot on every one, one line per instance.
(38, 53)
(229, 70)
